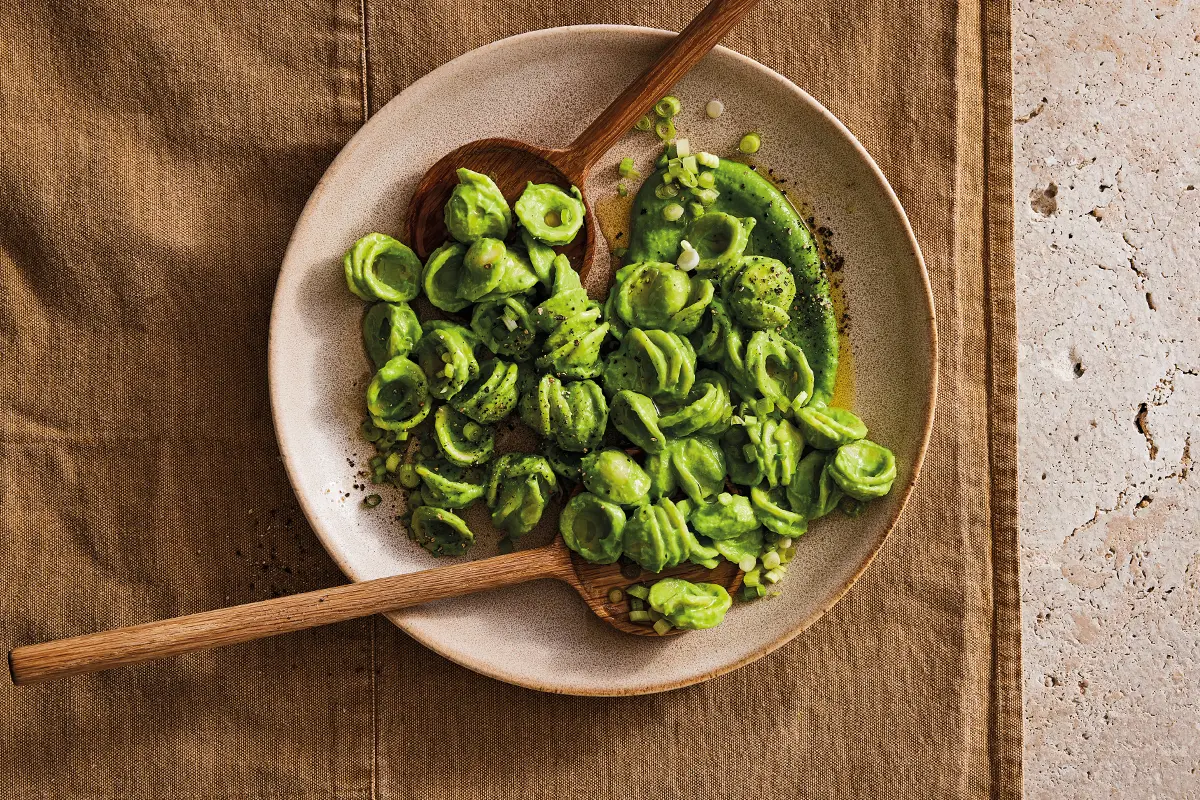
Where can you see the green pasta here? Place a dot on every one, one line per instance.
(713, 356)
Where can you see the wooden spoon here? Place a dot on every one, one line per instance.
(99, 651)
(511, 163)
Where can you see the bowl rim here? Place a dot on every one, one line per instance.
(275, 358)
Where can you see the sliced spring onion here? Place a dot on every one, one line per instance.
(689, 163)
(708, 160)
(747, 564)
(644, 123)
(750, 143)
(707, 196)
(665, 190)
(706, 180)
(771, 560)
(688, 259)
(774, 575)
(638, 590)
(662, 627)
(639, 616)
(372, 500)
(672, 212)
(627, 169)
(376, 462)
(665, 129)
(615, 595)
(683, 148)
(622, 190)
(409, 478)
(714, 109)
(392, 463)
(509, 322)
(668, 107)
(785, 542)
(696, 209)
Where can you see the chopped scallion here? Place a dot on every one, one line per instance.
(627, 169)
(665, 129)
(638, 590)
(637, 604)
(662, 627)
(706, 180)
(668, 107)
(771, 560)
(750, 143)
(615, 595)
(644, 123)
(714, 108)
(372, 500)
(747, 565)
(622, 190)
(708, 160)
(639, 616)
(665, 190)
(672, 212)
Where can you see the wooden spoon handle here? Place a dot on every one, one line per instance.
(683, 53)
(244, 623)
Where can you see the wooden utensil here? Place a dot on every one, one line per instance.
(511, 163)
(99, 651)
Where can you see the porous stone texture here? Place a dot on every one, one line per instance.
(1107, 143)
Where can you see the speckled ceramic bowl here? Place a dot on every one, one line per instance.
(544, 87)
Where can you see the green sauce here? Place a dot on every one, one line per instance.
(779, 233)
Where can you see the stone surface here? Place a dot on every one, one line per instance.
(1107, 142)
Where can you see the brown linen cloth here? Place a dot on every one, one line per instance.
(153, 159)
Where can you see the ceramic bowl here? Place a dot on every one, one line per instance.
(544, 87)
